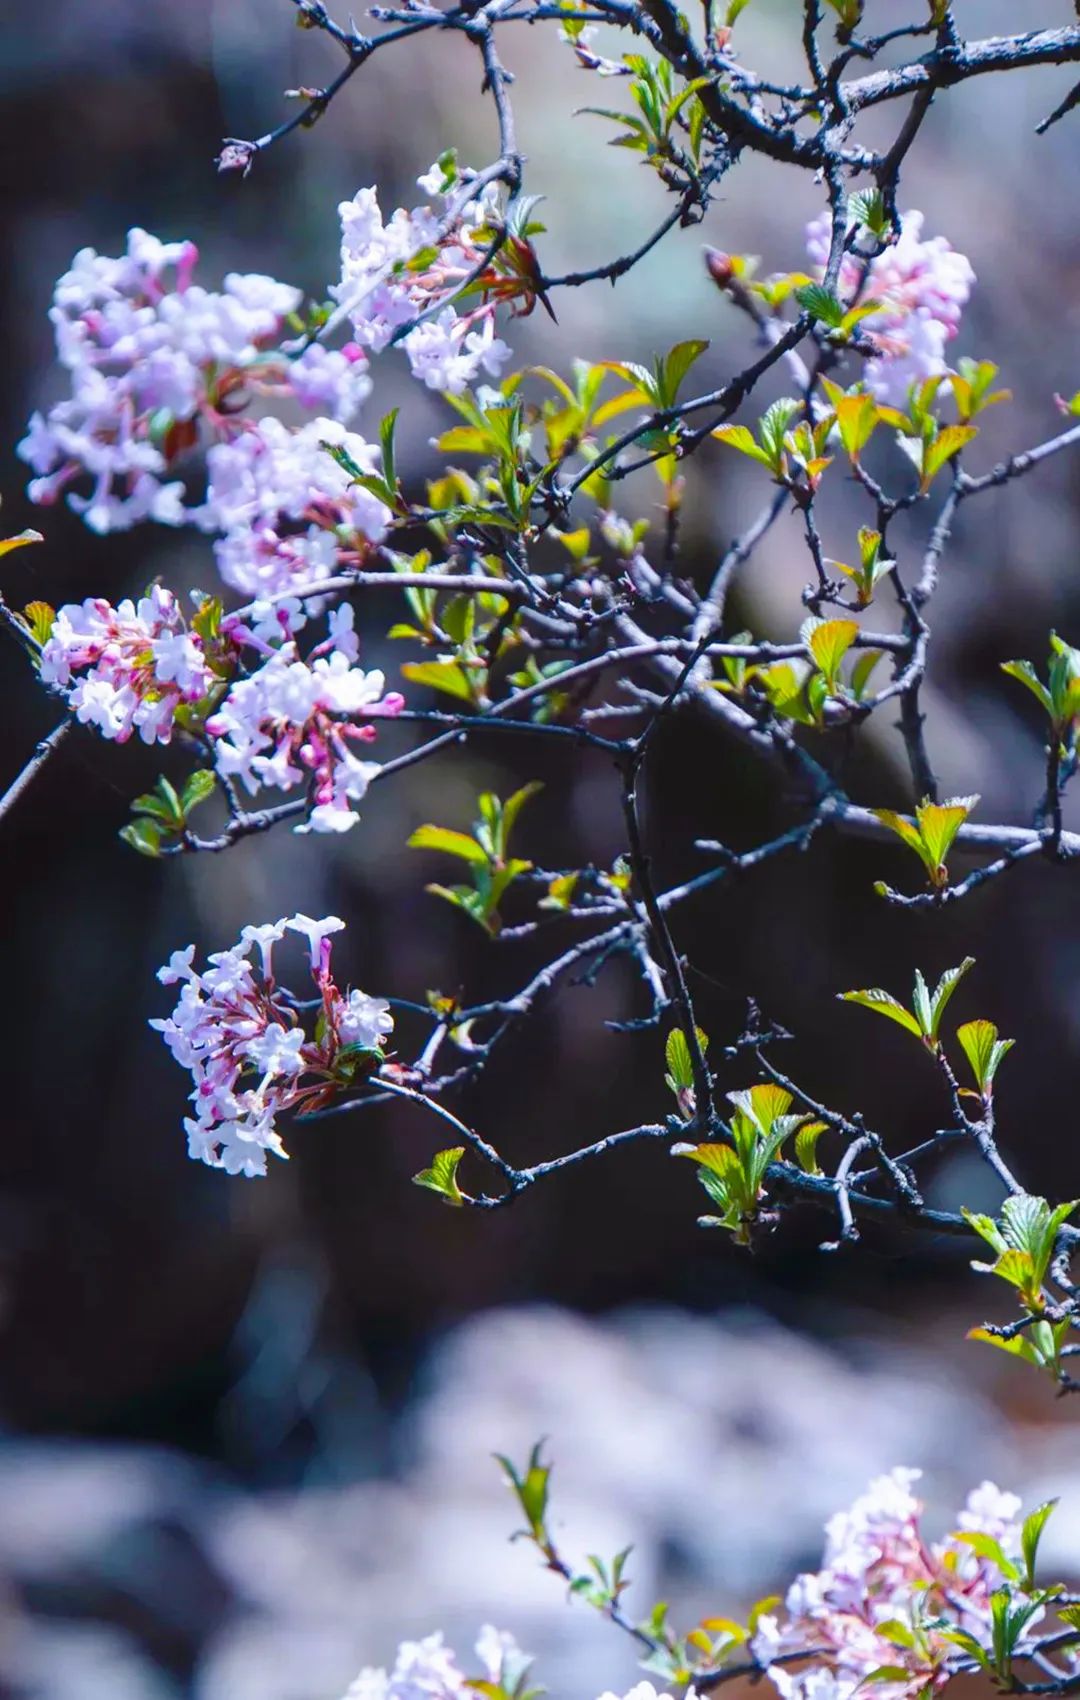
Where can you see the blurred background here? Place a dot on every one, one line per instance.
(247, 1427)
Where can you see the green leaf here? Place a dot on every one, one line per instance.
(453, 843)
(143, 835)
(984, 1051)
(773, 427)
(944, 990)
(676, 364)
(903, 829)
(932, 833)
(821, 304)
(513, 807)
(884, 1004)
(1017, 1346)
(948, 442)
(473, 903)
(677, 1057)
(985, 1546)
(861, 671)
(445, 676)
(198, 786)
(939, 824)
(386, 439)
(806, 1141)
(738, 437)
(1030, 1536)
(1025, 672)
(531, 1489)
(560, 892)
(442, 1175)
(828, 643)
(39, 617)
(856, 418)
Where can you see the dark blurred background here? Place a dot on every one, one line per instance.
(247, 1426)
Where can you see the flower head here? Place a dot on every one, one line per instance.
(250, 1055)
(920, 288)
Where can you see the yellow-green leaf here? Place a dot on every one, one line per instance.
(442, 1175)
(453, 843)
(7, 544)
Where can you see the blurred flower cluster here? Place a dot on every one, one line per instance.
(887, 1604)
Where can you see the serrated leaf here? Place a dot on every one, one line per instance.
(39, 617)
(1014, 1266)
(856, 419)
(442, 1175)
(939, 824)
(883, 1003)
(945, 988)
(198, 786)
(828, 643)
(821, 304)
(806, 1142)
(738, 437)
(948, 442)
(984, 1050)
(677, 1057)
(904, 829)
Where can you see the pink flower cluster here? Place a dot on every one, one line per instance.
(288, 513)
(885, 1597)
(922, 287)
(250, 1057)
(296, 722)
(289, 722)
(137, 663)
(393, 271)
(428, 1670)
(157, 363)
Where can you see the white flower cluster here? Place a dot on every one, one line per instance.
(157, 362)
(395, 270)
(288, 513)
(249, 1056)
(886, 1598)
(136, 663)
(294, 722)
(922, 288)
(428, 1670)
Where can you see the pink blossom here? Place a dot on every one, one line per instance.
(158, 364)
(251, 1057)
(385, 285)
(294, 722)
(428, 1670)
(126, 668)
(289, 513)
(879, 1571)
(922, 287)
